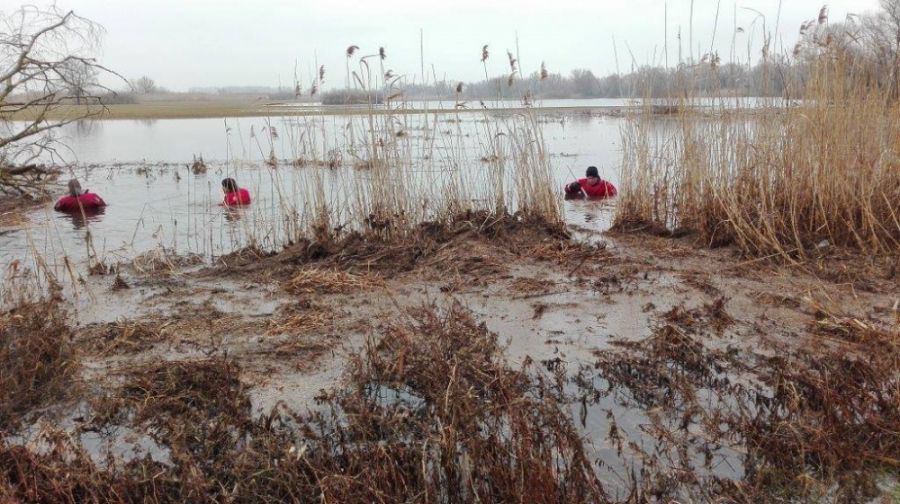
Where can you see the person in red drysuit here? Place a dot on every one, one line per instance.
(78, 200)
(591, 187)
(234, 195)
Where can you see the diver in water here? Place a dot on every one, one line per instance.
(78, 200)
(591, 187)
(234, 195)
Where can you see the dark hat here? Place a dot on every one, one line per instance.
(230, 184)
(592, 172)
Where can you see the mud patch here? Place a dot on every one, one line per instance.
(430, 394)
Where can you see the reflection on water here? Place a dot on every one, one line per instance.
(232, 214)
(574, 140)
(84, 217)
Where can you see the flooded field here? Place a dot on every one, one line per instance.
(228, 354)
(142, 169)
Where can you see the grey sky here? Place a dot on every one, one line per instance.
(184, 43)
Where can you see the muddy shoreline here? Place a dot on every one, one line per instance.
(610, 322)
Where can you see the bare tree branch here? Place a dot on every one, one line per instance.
(49, 78)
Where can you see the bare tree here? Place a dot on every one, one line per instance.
(144, 85)
(48, 78)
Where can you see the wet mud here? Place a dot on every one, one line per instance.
(654, 370)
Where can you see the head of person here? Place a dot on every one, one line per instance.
(229, 185)
(592, 175)
(75, 188)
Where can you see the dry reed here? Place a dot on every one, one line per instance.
(811, 420)
(36, 358)
(431, 413)
(781, 179)
(314, 280)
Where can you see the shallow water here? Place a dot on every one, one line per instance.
(141, 169)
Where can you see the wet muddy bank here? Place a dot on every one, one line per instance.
(661, 371)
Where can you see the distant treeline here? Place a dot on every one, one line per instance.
(764, 79)
(871, 42)
(760, 80)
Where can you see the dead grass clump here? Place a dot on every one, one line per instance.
(479, 262)
(437, 416)
(303, 318)
(384, 250)
(190, 405)
(15, 208)
(564, 251)
(334, 161)
(119, 283)
(163, 261)
(829, 410)
(62, 472)
(634, 224)
(198, 166)
(694, 320)
(243, 256)
(866, 335)
(431, 413)
(866, 332)
(100, 268)
(668, 368)
(123, 337)
(297, 348)
(323, 281)
(528, 285)
(36, 358)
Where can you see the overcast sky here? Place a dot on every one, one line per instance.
(188, 43)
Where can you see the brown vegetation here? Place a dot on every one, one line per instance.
(791, 181)
(431, 414)
(813, 420)
(37, 359)
(383, 252)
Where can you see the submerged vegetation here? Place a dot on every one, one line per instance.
(809, 423)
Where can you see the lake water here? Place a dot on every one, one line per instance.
(141, 169)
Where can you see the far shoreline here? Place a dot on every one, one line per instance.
(217, 109)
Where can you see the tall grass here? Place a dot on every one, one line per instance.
(778, 178)
(388, 170)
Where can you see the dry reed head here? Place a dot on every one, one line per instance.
(352, 50)
(544, 73)
(484, 53)
(381, 53)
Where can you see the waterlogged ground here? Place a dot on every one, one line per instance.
(573, 313)
(662, 352)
